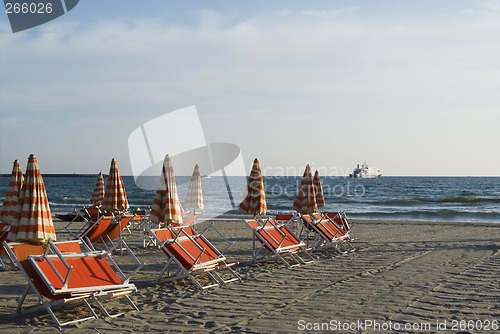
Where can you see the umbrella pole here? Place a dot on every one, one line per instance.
(229, 193)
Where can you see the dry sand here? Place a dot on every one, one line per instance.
(402, 274)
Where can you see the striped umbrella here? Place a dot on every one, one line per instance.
(115, 197)
(255, 199)
(194, 198)
(318, 190)
(32, 219)
(166, 206)
(305, 200)
(98, 193)
(12, 194)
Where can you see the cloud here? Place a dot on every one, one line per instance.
(270, 68)
(493, 5)
(313, 13)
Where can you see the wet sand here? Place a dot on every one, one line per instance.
(404, 276)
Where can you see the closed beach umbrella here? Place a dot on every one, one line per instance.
(32, 218)
(318, 190)
(98, 192)
(12, 194)
(255, 199)
(194, 198)
(166, 206)
(115, 197)
(305, 200)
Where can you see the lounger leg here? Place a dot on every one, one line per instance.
(23, 297)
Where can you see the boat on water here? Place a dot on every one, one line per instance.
(366, 172)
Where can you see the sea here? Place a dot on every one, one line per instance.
(439, 199)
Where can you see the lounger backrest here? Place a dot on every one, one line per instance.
(99, 228)
(276, 239)
(115, 229)
(185, 230)
(92, 212)
(252, 223)
(72, 246)
(188, 251)
(339, 219)
(88, 272)
(284, 216)
(329, 229)
(23, 250)
(163, 234)
(3, 237)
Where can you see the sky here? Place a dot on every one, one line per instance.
(411, 87)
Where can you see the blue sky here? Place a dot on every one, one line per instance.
(411, 87)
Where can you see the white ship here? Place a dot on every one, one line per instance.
(365, 171)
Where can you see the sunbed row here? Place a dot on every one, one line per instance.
(82, 271)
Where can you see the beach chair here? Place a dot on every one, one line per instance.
(341, 219)
(139, 220)
(68, 276)
(113, 240)
(191, 255)
(93, 231)
(279, 241)
(324, 232)
(3, 237)
(89, 215)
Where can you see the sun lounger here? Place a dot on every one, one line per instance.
(191, 255)
(113, 240)
(277, 240)
(4, 232)
(341, 219)
(61, 275)
(325, 232)
(89, 215)
(93, 231)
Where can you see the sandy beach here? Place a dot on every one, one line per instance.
(403, 277)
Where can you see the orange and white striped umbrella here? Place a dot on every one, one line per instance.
(318, 190)
(194, 199)
(305, 200)
(115, 197)
(12, 194)
(98, 192)
(166, 206)
(32, 219)
(255, 199)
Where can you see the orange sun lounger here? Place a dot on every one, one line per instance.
(61, 275)
(112, 238)
(4, 232)
(326, 232)
(190, 255)
(277, 240)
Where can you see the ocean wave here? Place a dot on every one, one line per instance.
(443, 214)
(433, 201)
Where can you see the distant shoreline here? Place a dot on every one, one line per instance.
(276, 176)
(61, 175)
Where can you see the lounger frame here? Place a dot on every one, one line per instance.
(48, 271)
(320, 231)
(277, 241)
(191, 255)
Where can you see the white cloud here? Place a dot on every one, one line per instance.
(493, 5)
(282, 68)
